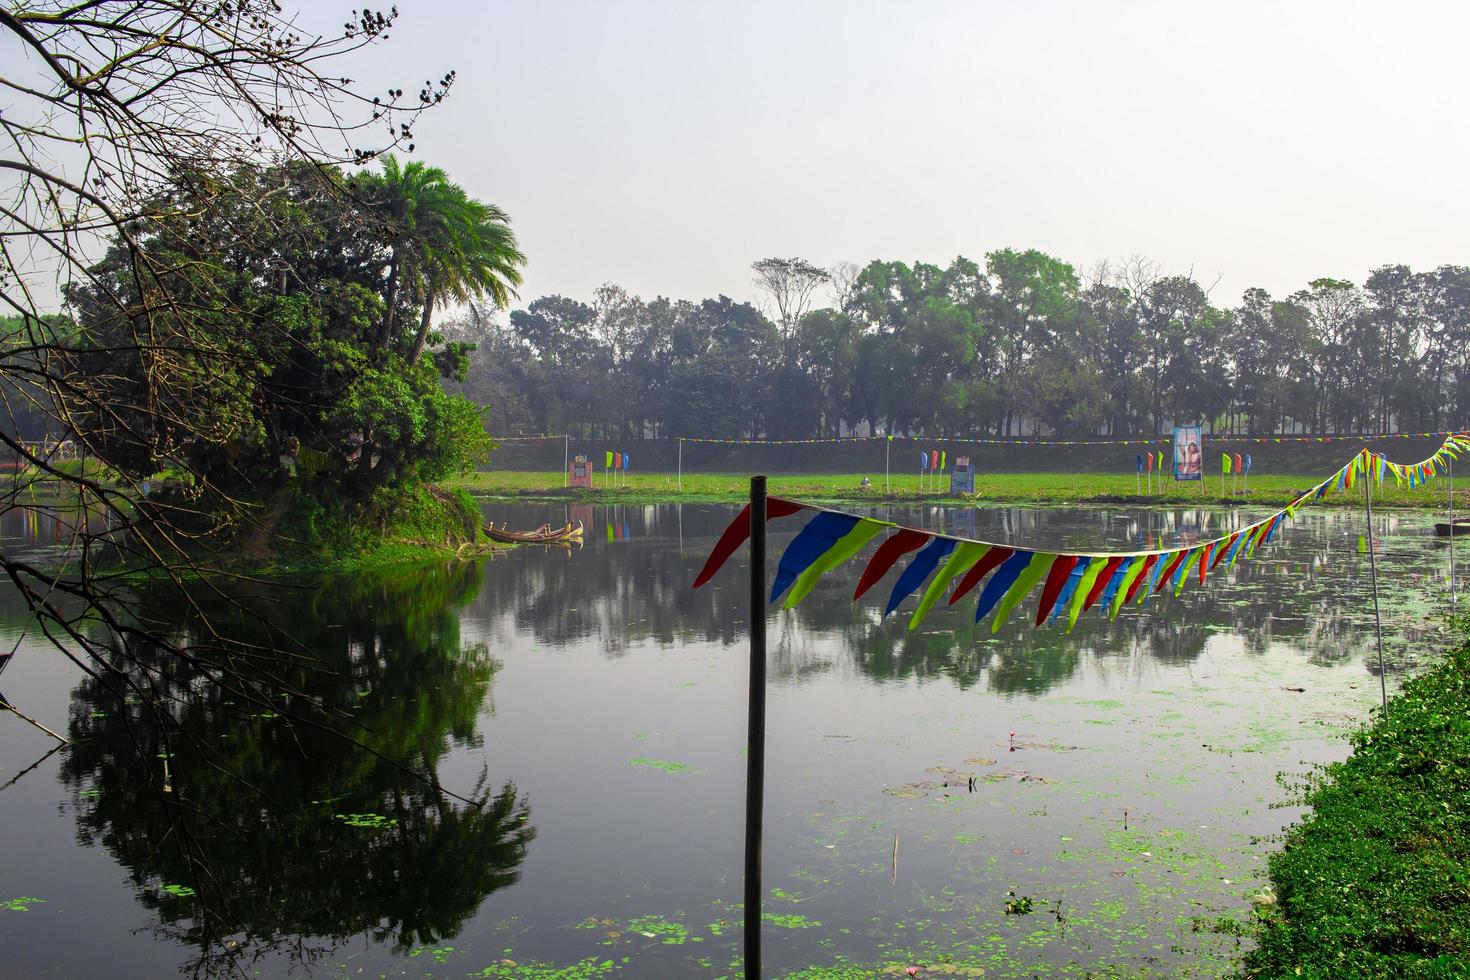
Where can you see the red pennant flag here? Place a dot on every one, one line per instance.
(1222, 551)
(1100, 583)
(1148, 563)
(1061, 567)
(893, 549)
(738, 532)
(1169, 570)
(988, 563)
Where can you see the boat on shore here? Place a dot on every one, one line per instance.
(545, 534)
(1460, 528)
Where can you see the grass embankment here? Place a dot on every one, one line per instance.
(428, 523)
(1039, 488)
(1375, 882)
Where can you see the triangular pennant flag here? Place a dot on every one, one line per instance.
(1095, 569)
(1104, 576)
(918, 570)
(1137, 575)
(1069, 587)
(845, 547)
(965, 555)
(813, 541)
(1177, 557)
(892, 550)
(1115, 581)
(1000, 583)
(1056, 577)
(991, 560)
(1025, 582)
(736, 534)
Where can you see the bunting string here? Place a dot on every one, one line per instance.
(1070, 583)
(1141, 440)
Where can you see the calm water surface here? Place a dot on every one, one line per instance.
(551, 773)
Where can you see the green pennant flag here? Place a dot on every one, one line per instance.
(843, 549)
(1025, 582)
(609, 460)
(966, 554)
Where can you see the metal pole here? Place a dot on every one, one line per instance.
(681, 464)
(1373, 569)
(887, 445)
(1452, 535)
(566, 443)
(755, 738)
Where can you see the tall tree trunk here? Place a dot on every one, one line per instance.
(385, 336)
(422, 337)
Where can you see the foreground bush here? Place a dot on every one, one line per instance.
(1375, 882)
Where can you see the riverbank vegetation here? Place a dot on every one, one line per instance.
(1375, 881)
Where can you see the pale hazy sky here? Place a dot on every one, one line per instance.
(666, 145)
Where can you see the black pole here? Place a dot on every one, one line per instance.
(755, 738)
(1373, 571)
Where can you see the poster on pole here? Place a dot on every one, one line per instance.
(1189, 453)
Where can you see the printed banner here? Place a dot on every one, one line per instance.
(1189, 453)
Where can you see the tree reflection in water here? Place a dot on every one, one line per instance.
(292, 837)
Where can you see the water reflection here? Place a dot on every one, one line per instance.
(291, 837)
(294, 840)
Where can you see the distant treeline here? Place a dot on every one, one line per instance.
(1025, 344)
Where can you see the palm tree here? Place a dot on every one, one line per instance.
(444, 245)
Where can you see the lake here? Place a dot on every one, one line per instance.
(548, 775)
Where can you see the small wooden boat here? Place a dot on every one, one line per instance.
(1461, 528)
(545, 534)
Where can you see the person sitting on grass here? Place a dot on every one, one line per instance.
(865, 484)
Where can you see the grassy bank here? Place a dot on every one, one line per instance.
(1376, 881)
(1039, 488)
(428, 523)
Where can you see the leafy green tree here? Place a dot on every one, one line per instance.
(287, 369)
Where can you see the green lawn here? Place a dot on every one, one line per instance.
(1020, 487)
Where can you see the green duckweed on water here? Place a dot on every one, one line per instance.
(22, 904)
(665, 765)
